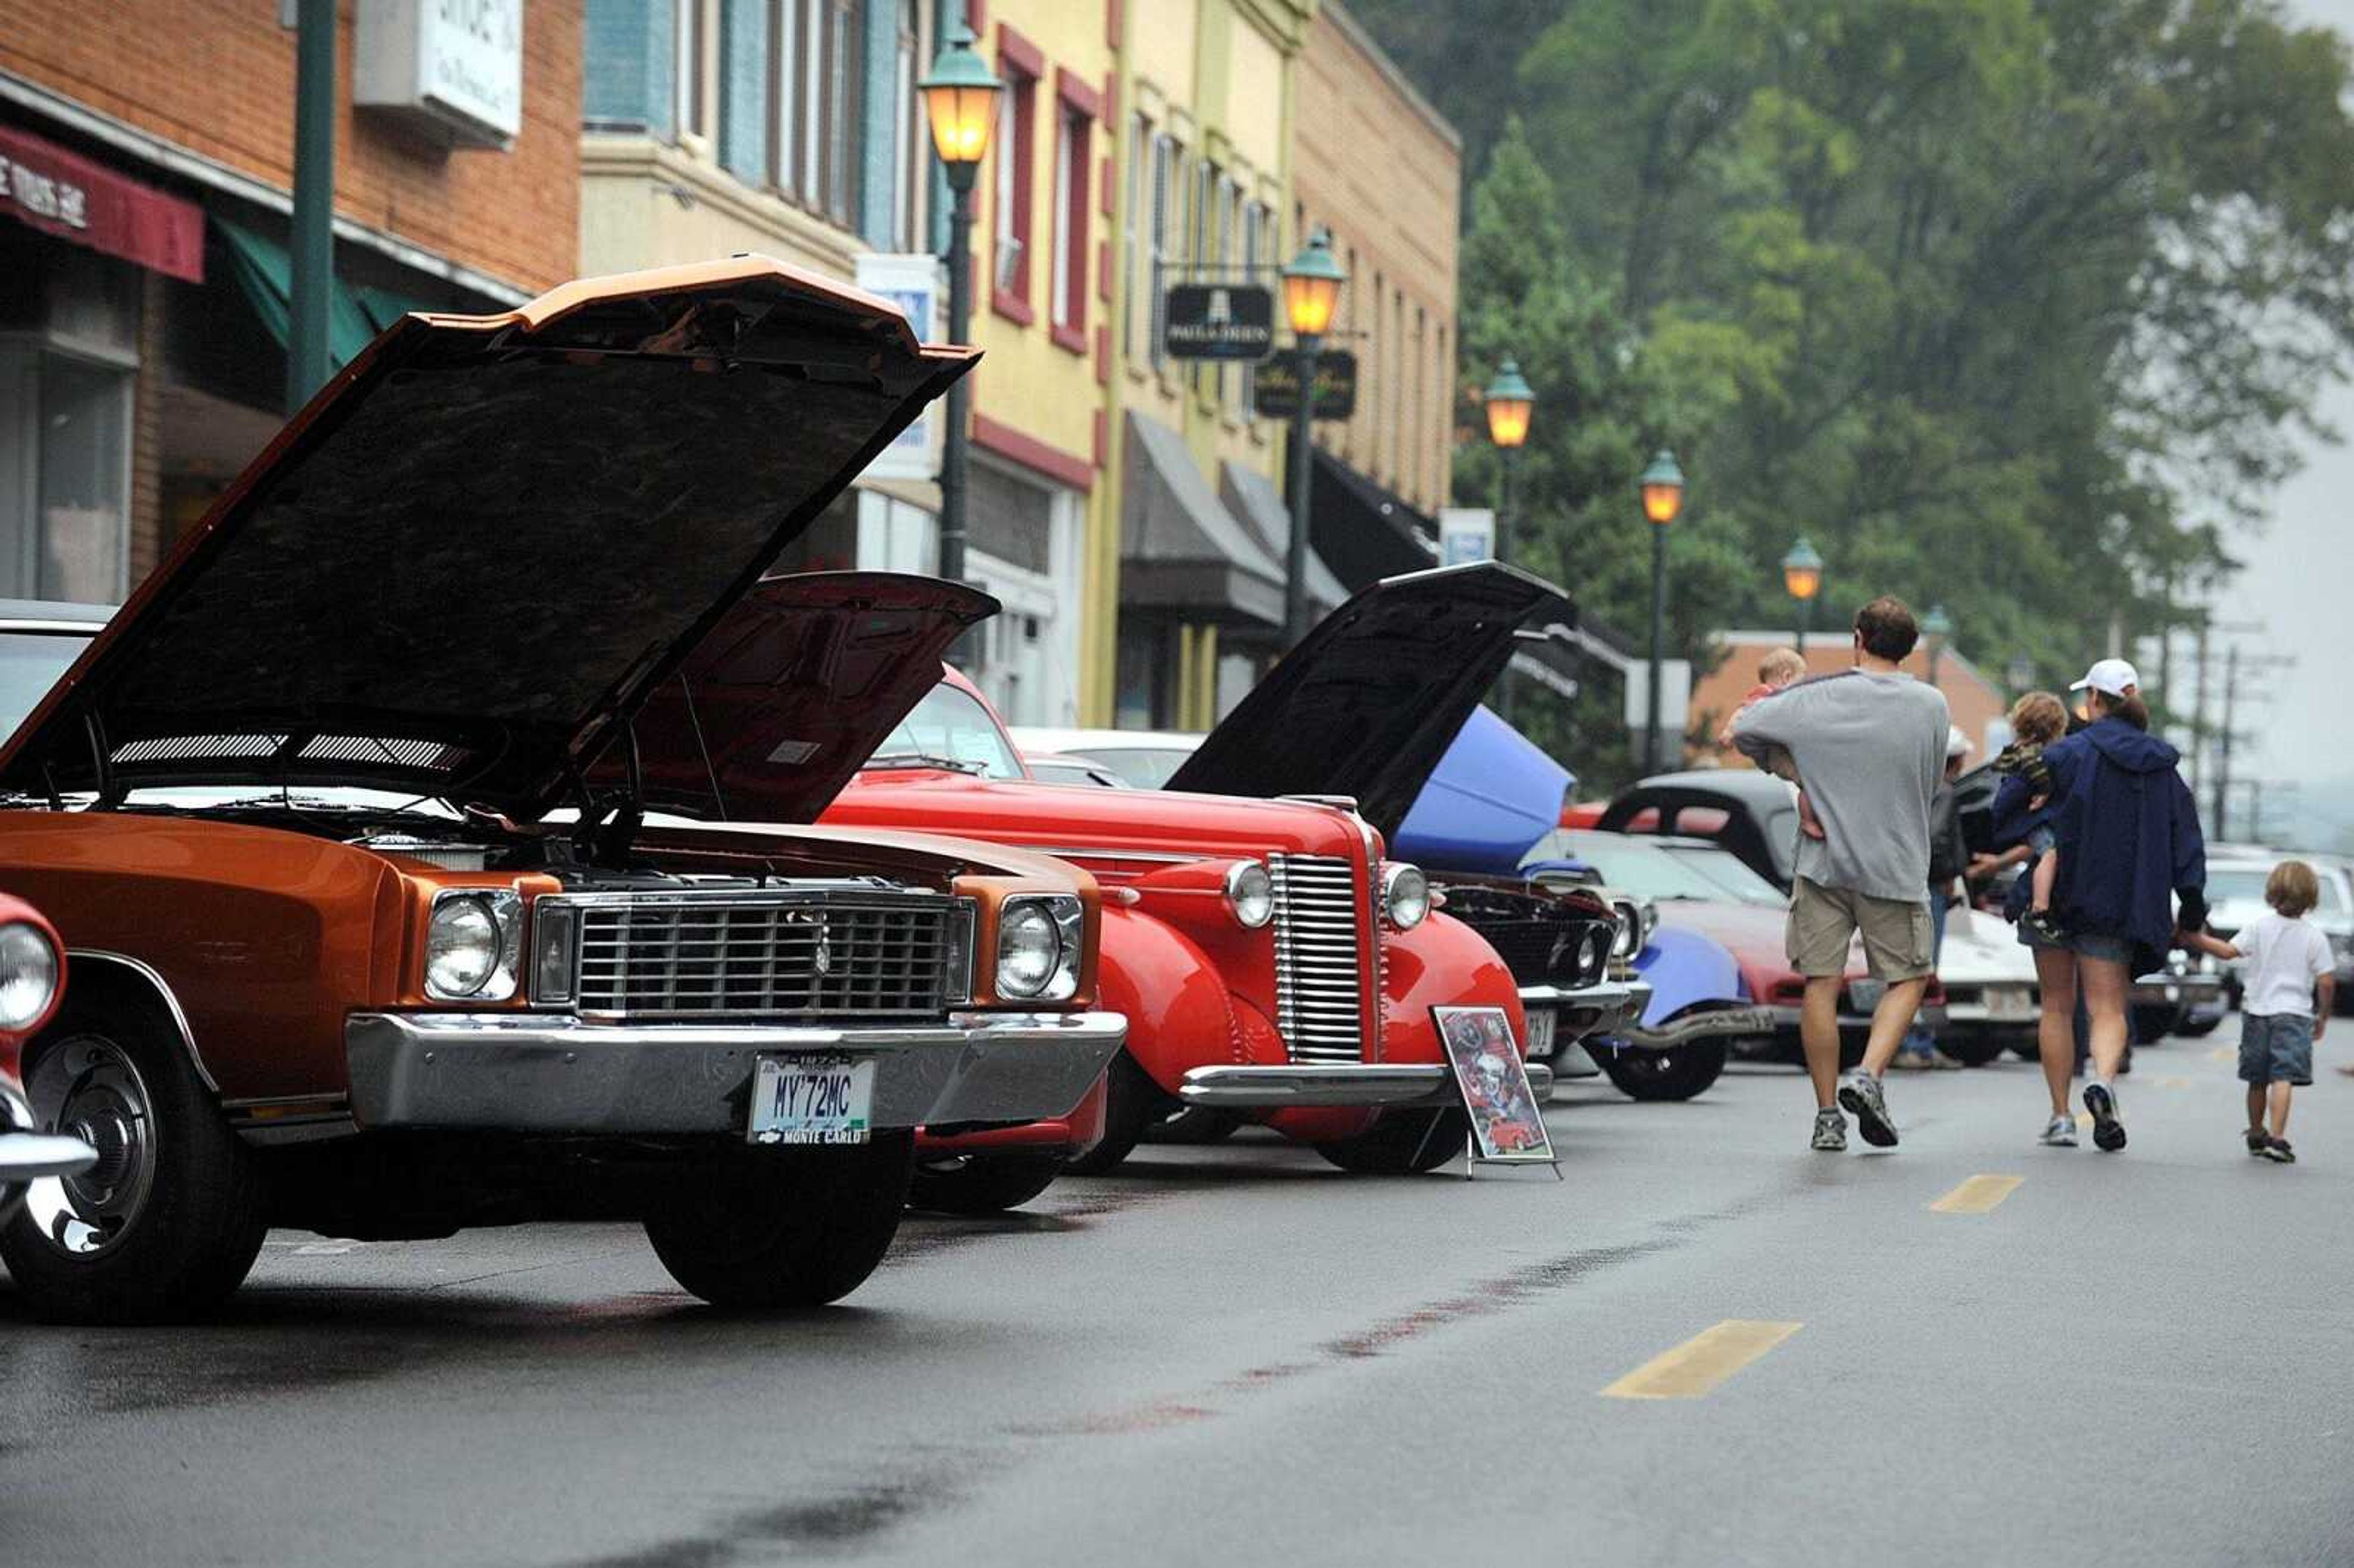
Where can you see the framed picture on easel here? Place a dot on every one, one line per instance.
(1507, 1128)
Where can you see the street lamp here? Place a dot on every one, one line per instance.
(1802, 574)
(1661, 488)
(1935, 627)
(1311, 291)
(960, 101)
(1510, 399)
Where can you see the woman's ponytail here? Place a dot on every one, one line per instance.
(2131, 709)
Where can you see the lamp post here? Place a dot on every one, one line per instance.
(960, 101)
(1510, 400)
(1935, 628)
(1311, 289)
(1661, 487)
(1802, 574)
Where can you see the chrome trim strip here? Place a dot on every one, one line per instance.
(1389, 1086)
(170, 1003)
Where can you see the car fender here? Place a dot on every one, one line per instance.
(1442, 962)
(1180, 1015)
(1686, 968)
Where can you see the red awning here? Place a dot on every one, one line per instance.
(66, 195)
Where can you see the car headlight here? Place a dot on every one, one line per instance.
(1405, 896)
(1250, 893)
(1594, 953)
(1038, 942)
(472, 942)
(1626, 934)
(28, 975)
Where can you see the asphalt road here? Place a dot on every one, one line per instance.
(1240, 1355)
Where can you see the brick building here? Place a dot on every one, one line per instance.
(146, 166)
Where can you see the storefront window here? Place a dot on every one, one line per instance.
(65, 450)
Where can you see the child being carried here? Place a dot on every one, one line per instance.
(2037, 720)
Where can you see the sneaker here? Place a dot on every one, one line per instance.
(2257, 1140)
(2047, 929)
(2108, 1132)
(2278, 1151)
(1830, 1133)
(2061, 1133)
(1860, 1093)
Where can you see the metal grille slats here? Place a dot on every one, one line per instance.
(1319, 991)
(798, 960)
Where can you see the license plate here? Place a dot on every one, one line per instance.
(804, 1101)
(2009, 1004)
(1541, 1035)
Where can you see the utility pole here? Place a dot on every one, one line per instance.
(2223, 756)
(310, 358)
(2198, 710)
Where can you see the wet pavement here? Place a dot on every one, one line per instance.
(1241, 1354)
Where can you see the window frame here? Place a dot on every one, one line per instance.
(1014, 198)
(1168, 171)
(1077, 108)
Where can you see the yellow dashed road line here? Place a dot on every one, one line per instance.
(1976, 1195)
(2174, 1082)
(2222, 1054)
(1701, 1362)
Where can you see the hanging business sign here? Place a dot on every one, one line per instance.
(1466, 534)
(1275, 386)
(451, 69)
(1218, 321)
(911, 283)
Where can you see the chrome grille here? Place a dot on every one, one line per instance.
(1319, 990)
(710, 956)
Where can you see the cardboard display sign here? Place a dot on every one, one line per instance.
(1506, 1125)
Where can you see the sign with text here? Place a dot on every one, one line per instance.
(914, 285)
(1466, 534)
(1507, 1128)
(452, 69)
(1276, 389)
(65, 194)
(1218, 321)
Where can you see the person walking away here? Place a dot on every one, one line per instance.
(1869, 746)
(2281, 1022)
(1949, 857)
(2126, 830)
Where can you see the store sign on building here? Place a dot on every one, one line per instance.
(1276, 395)
(70, 197)
(451, 69)
(1466, 534)
(1218, 321)
(913, 284)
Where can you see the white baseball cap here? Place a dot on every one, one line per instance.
(2109, 675)
(1957, 743)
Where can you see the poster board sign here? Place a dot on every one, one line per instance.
(1507, 1128)
(914, 283)
(1466, 534)
(1218, 321)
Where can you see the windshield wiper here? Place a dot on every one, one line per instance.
(925, 759)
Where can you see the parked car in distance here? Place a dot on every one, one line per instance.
(1141, 758)
(32, 979)
(340, 961)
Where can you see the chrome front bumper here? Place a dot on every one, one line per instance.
(2172, 991)
(534, 1072)
(1704, 1024)
(1384, 1086)
(1580, 1011)
(26, 1155)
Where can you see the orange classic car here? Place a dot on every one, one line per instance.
(366, 939)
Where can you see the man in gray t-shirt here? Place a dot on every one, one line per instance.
(1868, 748)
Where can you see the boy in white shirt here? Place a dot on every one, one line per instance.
(2288, 959)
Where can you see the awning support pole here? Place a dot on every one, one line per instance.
(312, 253)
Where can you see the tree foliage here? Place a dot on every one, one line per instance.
(2002, 302)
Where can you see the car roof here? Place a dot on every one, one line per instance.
(52, 615)
(1034, 738)
(1742, 783)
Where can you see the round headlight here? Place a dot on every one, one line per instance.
(1594, 953)
(1029, 948)
(461, 948)
(28, 975)
(1405, 896)
(1250, 893)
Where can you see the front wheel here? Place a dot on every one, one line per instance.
(170, 1218)
(1403, 1143)
(982, 1183)
(1672, 1073)
(770, 1228)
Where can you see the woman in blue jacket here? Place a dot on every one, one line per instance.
(2126, 830)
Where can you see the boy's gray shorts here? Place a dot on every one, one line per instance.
(2277, 1048)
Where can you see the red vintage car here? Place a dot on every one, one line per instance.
(32, 979)
(1269, 960)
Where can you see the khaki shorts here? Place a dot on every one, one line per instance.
(1897, 941)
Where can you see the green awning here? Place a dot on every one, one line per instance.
(355, 312)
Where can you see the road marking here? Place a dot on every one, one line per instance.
(2221, 1054)
(1701, 1362)
(2083, 1118)
(2174, 1082)
(1976, 1195)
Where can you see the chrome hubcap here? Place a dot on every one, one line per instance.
(88, 1088)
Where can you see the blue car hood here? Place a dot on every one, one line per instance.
(1492, 797)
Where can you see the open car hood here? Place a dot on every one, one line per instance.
(463, 568)
(1371, 699)
(794, 689)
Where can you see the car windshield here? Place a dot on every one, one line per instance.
(951, 726)
(1643, 866)
(1728, 871)
(1145, 767)
(31, 663)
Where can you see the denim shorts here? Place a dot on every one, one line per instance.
(2277, 1048)
(2041, 840)
(2115, 946)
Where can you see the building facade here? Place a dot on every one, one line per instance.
(146, 169)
